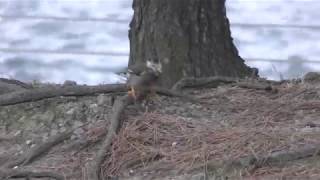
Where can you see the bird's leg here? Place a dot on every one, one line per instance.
(150, 99)
(133, 93)
(145, 105)
(153, 94)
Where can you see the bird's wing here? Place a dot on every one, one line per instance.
(137, 68)
(147, 79)
(132, 79)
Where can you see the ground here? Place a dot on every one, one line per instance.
(174, 138)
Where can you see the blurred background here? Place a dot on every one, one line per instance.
(86, 40)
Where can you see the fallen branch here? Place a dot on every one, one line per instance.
(16, 173)
(118, 109)
(37, 151)
(44, 93)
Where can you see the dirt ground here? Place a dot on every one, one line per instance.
(173, 138)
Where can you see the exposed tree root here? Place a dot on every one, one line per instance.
(44, 93)
(27, 158)
(251, 163)
(173, 93)
(82, 144)
(213, 81)
(37, 151)
(216, 81)
(16, 82)
(255, 85)
(16, 173)
(118, 109)
(5, 138)
(7, 172)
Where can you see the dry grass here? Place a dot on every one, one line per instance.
(262, 124)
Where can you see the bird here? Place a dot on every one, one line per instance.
(142, 78)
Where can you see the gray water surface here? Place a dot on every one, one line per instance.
(100, 27)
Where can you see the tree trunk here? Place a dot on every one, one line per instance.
(190, 38)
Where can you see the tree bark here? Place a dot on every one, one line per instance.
(190, 38)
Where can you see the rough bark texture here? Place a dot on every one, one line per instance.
(191, 38)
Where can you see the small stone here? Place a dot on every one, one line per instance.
(45, 137)
(73, 137)
(174, 144)
(17, 133)
(28, 142)
(94, 108)
(63, 129)
(306, 129)
(70, 111)
(77, 124)
(69, 83)
(311, 77)
(54, 132)
(103, 99)
(78, 132)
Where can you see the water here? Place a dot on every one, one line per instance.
(107, 40)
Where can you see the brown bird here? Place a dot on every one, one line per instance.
(142, 78)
